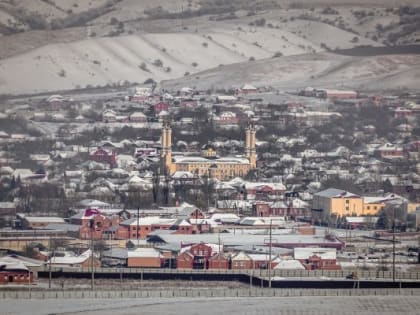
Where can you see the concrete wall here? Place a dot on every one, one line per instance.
(246, 292)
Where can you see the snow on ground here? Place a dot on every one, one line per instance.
(318, 70)
(43, 8)
(384, 305)
(133, 9)
(7, 19)
(101, 61)
(199, 47)
(322, 33)
(77, 6)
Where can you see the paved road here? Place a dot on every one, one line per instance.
(384, 305)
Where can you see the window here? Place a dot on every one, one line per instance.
(368, 207)
(347, 208)
(347, 201)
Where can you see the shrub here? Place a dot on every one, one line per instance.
(143, 67)
(355, 39)
(149, 81)
(260, 22)
(158, 63)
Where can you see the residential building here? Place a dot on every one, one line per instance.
(337, 202)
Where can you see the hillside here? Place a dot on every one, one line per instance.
(60, 44)
(329, 70)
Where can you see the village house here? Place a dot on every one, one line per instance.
(144, 258)
(93, 223)
(160, 107)
(227, 118)
(141, 227)
(8, 212)
(15, 273)
(220, 261)
(196, 256)
(31, 222)
(313, 258)
(241, 261)
(138, 117)
(390, 151)
(247, 89)
(404, 113)
(69, 259)
(102, 155)
(109, 116)
(264, 191)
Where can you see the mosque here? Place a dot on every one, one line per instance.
(208, 163)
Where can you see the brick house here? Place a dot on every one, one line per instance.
(293, 208)
(220, 261)
(138, 117)
(190, 213)
(160, 107)
(182, 226)
(145, 258)
(131, 228)
(196, 257)
(260, 261)
(402, 112)
(29, 222)
(314, 258)
(189, 103)
(185, 260)
(15, 276)
(247, 89)
(241, 261)
(390, 151)
(265, 192)
(93, 224)
(228, 118)
(261, 209)
(102, 155)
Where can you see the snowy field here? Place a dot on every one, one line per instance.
(286, 305)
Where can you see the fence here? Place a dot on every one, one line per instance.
(205, 293)
(262, 273)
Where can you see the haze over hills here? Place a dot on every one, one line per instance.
(50, 45)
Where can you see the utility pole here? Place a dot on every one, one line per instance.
(138, 223)
(393, 247)
(218, 237)
(49, 265)
(92, 280)
(269, 255)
